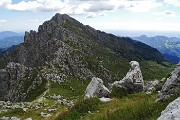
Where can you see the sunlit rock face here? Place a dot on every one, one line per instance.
(133, 81)
(172, 111)
(96, 89)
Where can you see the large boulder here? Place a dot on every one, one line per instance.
(172, 85)
(172, 111)
(96, 89)
(133, 81)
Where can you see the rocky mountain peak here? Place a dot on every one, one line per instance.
(70, 49)
(61, 18)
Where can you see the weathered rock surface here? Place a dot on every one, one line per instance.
(151, 86)
(172, 85)
(172, 111)
(45, 115)
(96, 89)
(133, 81)
(11, 81)
(103, 99)
(14, 80)
(9, 118)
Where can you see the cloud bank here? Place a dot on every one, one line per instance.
(91, 8)
(81, 6)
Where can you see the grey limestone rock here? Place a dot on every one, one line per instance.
(4, 118)
(45, 115)
(151, 86)
(133, 81)
(11, 81)
(172, 85)
(96, 89)
(172, 111)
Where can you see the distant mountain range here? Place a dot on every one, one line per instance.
(5, 34)
(168, 46)
(9, 40)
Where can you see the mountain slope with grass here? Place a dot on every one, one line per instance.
(50, 71)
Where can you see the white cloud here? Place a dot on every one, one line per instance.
(34, 20)
(172, 2)
(170, 13)
(4, 3)
(82, 6)
(2, 21)
(102, 14)
(166, 13)
(100, 6)
(91, 15)
(37, 5)
(143, 6)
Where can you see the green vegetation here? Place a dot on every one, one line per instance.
(35, 113)
(81, 108)
(13, 112)
(118, 92)
(131, 107)
(34, 93)
(151, 70)
(69, 89)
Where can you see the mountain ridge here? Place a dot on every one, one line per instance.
(64, 48)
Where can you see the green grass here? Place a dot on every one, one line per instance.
(34, 93)
(81, 108)
(11, 113)
(71, 88)
(131, 107)
(151, 70)
(118, 92)
(35, 114)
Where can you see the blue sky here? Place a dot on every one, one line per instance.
(108, 15)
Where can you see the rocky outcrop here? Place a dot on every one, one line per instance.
(172, 111)
(133, 81)
(11, 81)
(151, 86)
(172, 85)
(16, 81)
(96, 89)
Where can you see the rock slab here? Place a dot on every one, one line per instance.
(96, 89)
(172, 111)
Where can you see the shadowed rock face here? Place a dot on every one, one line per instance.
(172, 111)
(17, 81)
(172, 85)
(96, 89)
(133, 81)
(10, 81)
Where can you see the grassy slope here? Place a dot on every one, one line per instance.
(131, 107)
(135, 106)
(62, 89)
